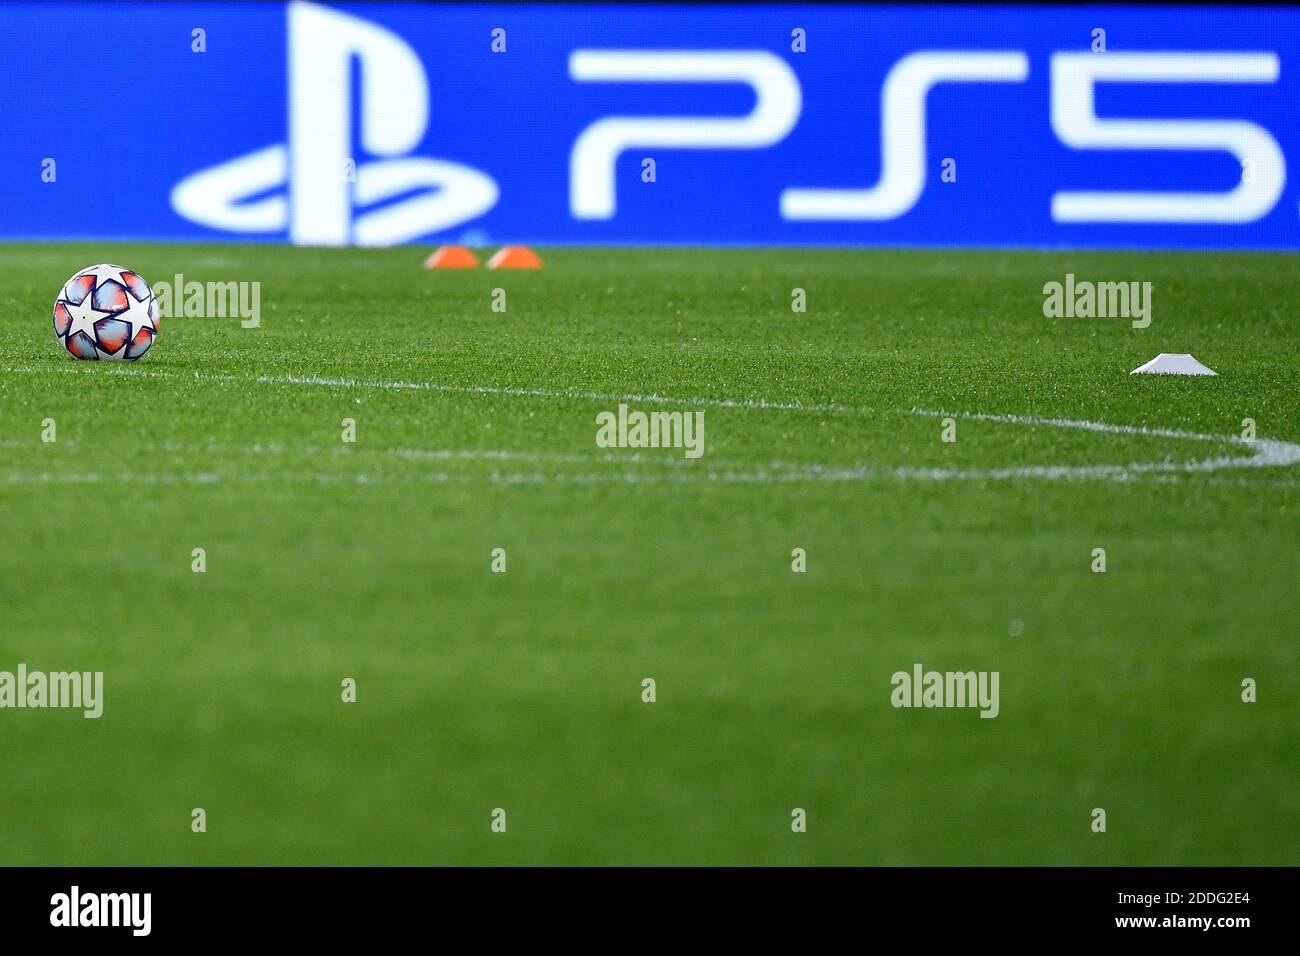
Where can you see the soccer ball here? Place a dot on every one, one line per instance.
(106, 312)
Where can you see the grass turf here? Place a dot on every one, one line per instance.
(522, 690)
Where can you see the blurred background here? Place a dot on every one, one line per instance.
(378, 124)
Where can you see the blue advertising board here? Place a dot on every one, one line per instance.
(378, 124)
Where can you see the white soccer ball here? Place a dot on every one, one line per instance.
(106, 312)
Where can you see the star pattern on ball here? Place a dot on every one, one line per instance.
(137, 314)
(84, 317)
(104, 272)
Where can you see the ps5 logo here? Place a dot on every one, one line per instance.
(317, 200)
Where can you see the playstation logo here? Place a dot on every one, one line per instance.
(320, 192)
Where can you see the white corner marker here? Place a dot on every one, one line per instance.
(1173, 363)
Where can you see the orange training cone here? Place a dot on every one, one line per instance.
(515, 257)
(451, 257)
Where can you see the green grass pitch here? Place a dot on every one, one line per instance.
(476, 430)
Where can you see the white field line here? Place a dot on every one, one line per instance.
(1265, 452)
(127, 371)
(857, 476)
